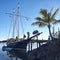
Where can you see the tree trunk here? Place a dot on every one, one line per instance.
(50, 31)
(49, 25)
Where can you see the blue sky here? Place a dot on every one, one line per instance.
(28, 8)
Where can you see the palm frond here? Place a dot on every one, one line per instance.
(57, 21)
(40, 23)
(39, 19)
(51, 9)
(54, 14)
(46, 18)
(52, 20)
(44, 14)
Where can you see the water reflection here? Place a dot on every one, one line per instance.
(4, 55)
(22, 54)
(16, 54)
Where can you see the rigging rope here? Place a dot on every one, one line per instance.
(9, 29)
(22, 26)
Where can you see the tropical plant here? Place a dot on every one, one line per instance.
(46, 19)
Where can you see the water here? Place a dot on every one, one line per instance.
(3, 54)
(6, 56)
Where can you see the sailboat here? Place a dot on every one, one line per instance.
(17, 44)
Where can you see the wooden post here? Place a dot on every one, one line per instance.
(31, 46)
(37, 41)
(39, 44)
(28, 35)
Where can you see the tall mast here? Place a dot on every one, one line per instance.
(13, 23)
(18, 14)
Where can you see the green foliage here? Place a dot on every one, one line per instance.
(46, 17)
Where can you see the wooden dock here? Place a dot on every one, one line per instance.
(39, 42)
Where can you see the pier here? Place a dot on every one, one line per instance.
(38, 42)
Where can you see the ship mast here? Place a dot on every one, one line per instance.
(16, 22)
(18, 16)
(18, 12)
(13, 23)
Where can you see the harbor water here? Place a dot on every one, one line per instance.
(4, 55)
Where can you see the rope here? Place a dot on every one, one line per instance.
(10, 29)
(22, 26)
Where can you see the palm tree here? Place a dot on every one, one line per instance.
(46, 19)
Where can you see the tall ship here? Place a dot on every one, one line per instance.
(19, 45)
